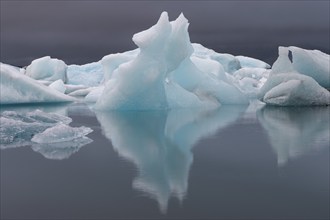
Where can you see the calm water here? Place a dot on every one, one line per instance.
(234, 162)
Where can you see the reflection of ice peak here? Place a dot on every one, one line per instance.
(295, 131)
(159, 143)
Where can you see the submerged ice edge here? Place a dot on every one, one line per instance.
(167, 71)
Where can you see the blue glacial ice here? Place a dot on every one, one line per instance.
(167, 71)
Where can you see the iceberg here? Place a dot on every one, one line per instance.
(167, 71)
(162, 65)
(139, 83)
(19, 88)
(287, 87)
(47, 68)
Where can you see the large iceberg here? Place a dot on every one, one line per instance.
(167, 71)
(19, 88)
(163, 65)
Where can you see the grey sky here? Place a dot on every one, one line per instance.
(85, 31)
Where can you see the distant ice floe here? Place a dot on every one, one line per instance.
(47, 133)
(167, 71)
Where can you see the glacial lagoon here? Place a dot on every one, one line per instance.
(232, 162)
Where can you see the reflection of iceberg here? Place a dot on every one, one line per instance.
(159, 143)
(61, 150)
(295, 131)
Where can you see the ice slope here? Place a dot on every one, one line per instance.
(18, 88)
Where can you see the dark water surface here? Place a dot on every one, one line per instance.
(234, 162)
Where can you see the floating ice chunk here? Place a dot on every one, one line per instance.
(285, 87)
(58, 85)
(47, 68)
(61, 133)
(18, 88)
(312, 63)
(252, 62)
(18, 129)
(90, 74)
(61, 150)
